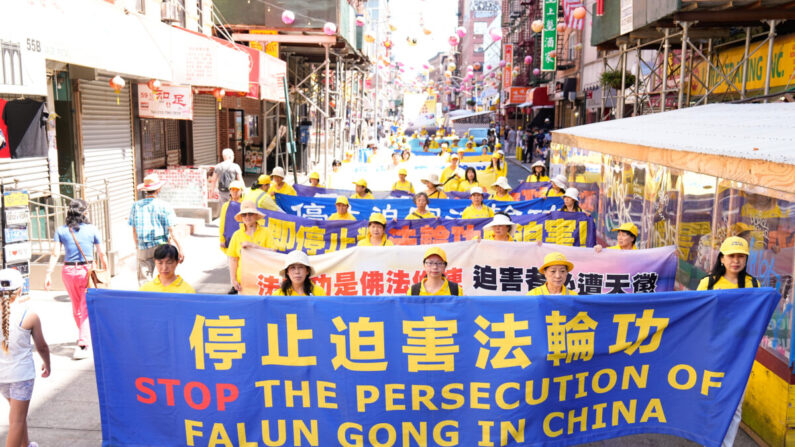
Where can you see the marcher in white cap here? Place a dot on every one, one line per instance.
(251, 234)
(501, 227)
(297, 272)
(502, 187)
(477, 210)
(17, 370)
(278, 185)
(435, 191)
(558, 187)
(571, 201)
(539, 173)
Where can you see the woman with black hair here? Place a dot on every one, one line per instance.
(297, 272)
(470, 180)
(539, 173)
(729, 271)
(79, 239)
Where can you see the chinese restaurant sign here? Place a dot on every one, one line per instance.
(549, 35)
(168, 101)
(220, 370)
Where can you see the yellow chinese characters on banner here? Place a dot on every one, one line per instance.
(781, 68)
(270, 48)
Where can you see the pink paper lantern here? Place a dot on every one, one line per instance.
(496, 34)
(288, 17)
(536, 71)
(453, 40)
(359, 20)
(488, 67)
(330, 29)
(502, 64)
(461, 32)
(528, 60)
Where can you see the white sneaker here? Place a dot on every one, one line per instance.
(81, 352)
(33, 444)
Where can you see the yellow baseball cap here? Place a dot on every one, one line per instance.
(734, 245)
(315, 176)
(556, 258)
(629, 227)
(403, 171)
(342, 200)
(361, 182)
(264, 179)
(378, 218)
(435, 251)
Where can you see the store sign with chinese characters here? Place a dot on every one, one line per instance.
(549, 35)
(168, 101)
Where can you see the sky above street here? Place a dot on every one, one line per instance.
(409, 16)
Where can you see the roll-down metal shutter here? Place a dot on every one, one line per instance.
(106, 132)
(205, 146)
(32, 174)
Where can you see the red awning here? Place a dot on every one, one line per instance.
(538, 97)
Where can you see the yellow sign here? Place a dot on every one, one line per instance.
(781, 68)
(13, 199)
(270, 48)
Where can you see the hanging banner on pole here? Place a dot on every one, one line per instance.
(549, 36)
(507, 72)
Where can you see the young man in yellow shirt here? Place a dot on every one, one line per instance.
(435, 282)
(477, 210)
(342, 213)
(167, 281)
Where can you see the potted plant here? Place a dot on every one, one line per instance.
(612, 79)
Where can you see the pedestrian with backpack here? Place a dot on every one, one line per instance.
(435, 282)
(225, 173)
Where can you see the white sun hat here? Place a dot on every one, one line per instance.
(296, 257)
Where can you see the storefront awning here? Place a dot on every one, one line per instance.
(537, 98)
(103, 36)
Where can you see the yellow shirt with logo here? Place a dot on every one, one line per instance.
(416, 215)
(447, 173)
(444, 290)
(466, 185)
(366, 196)
(616, 247)
(502, 172)
(471, 212)
(177, 286)
(552, 192)
(366, 242)
(284, 189)
(505, 198)
(532, 178)
(403, 186)
(337, 216)
(724, 283)
(543, 290)
(262, 237)
(437, 195)
(316, 291)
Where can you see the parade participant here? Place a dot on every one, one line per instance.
(314, 180)
(225, 173)
(153, 222)
(79, 239)
(469, 181)
(342, 210)
(497, 166)
(167, 280)
(335, 166)
(279, 185)
(434, 191)
(502, 187)
(451, 184)
(421, 210)
(539, 173)
(251, 234)
(555, 269)
(435, 282)
(402, 184)
(235, 195)
(477, 210)
(17, 370)
(627, 234)
(405, 155)
(558, 186)
(450, 170)
(502, 228)
(374, 154)
(362, 191)
(261, 189)
(571, 201)
(730, 272)
(376, 232)
(297, 273)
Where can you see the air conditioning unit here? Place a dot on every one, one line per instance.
(169, 12)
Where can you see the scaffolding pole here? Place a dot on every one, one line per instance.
(682, 57)
(664, 87)
(771, 39)
(326, 118)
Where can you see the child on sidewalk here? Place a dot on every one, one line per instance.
(17, 371)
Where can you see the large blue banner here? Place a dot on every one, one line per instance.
(219, 370)
(316, 237)
(321, 207)
(311, 191)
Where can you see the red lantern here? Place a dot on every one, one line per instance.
(117, 84)
(219, 95)
(561, 27)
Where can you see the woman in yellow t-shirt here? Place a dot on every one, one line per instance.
(571, 201)
(402, 184)
(420, 210)
(502, 187)
(297, 272)
(435, 282)
(434, 191)
(477, 210)
(314, 180)
(627, 234)
(362, 191)
(729, 271)
(539, 173)
(235, 195)
(558, 186)
(342, 213)
(469, 181)
(251, 234)
(555, 269)
(498, 166)
(376, 232)
(502, 228)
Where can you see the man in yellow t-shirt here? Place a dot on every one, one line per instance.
(477, 210)
(450, 170)
(167, 281)
(342, 213)
(435, 282)
(279, 186)
(403, 184)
